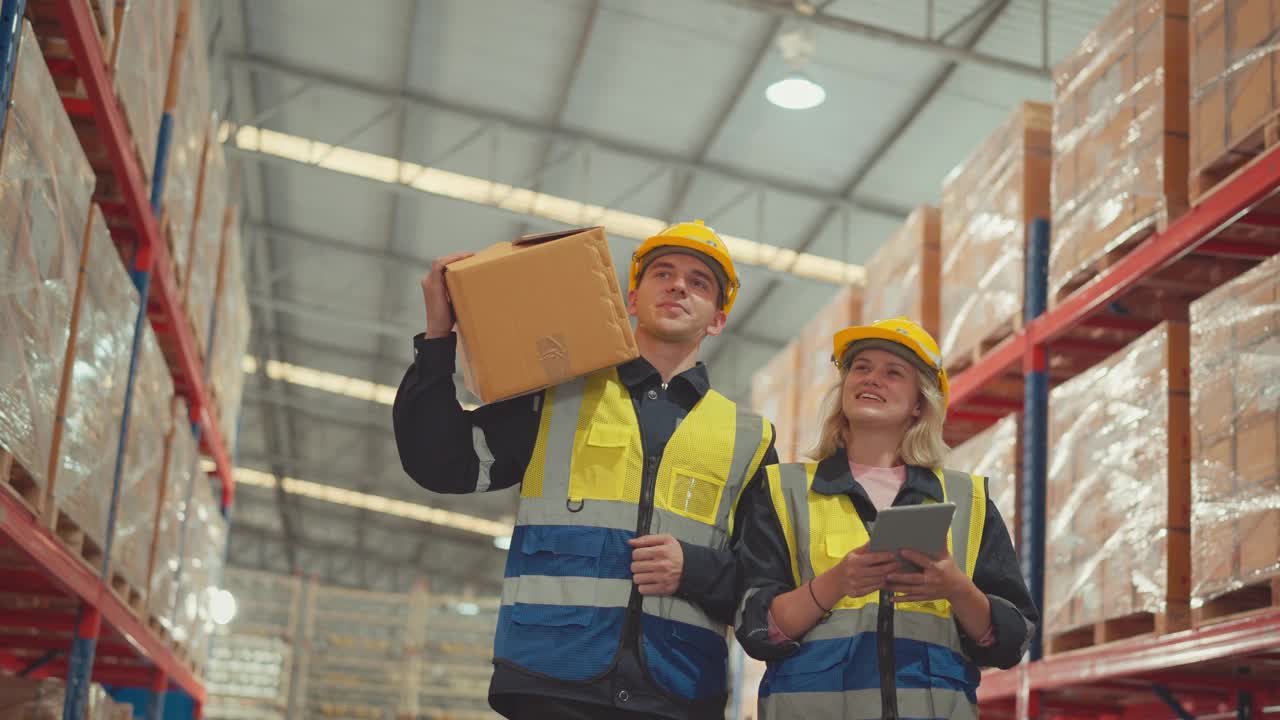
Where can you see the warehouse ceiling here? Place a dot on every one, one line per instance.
(652, 107)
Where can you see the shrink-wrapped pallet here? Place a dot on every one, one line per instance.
(816, 375)
(903, 278)
(190, 126)
(231, 341)
(147, 31)
(996, 453)
(773, 395)
(202, 276)
(167, 558)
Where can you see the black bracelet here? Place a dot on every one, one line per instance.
(815, 598)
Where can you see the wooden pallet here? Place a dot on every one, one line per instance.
(966, 359)
(1248, 600)
(1103, 632)
(78, 541)
(1234, 159)
(1126, 244)
(129, 595)
(15, 480)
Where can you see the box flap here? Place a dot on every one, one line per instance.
(527, 240)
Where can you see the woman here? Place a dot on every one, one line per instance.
(846, 632)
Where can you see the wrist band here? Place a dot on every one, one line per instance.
(815, 597)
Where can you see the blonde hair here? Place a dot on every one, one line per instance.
(921, 445)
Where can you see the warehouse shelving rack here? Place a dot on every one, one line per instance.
(1177, 675)
(109, 643)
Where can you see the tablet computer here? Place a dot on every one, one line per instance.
(922, 528)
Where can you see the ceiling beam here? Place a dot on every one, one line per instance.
(806, 13)
(910, 113)
(282, 68)
(315, 240)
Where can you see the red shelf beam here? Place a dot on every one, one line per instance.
(20, 529)
(164, 306)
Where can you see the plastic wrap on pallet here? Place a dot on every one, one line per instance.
(987, 204)
(144, 460)
(995, 453)
(816, 376)
(1119, 136)
(207, 243)
(773, 395)
(30, 699)
(183, 453)
(1108, 494)
(1235, 441)
(205, 537)
(147, 29)
(1233, 61)
(190, 121)
(45, 185)
(232, 337)
(903, 276)
(95, 397)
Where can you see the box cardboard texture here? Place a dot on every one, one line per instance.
(1119, 489)
(538, 311)
(903, 278)
(773, 395)
(1120, 129)
(815, 373)
(996, 453)
(1235, 440)
(988, 203)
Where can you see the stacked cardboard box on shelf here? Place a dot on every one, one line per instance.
(816, 375)
(144, 51)
(1120, 128)
(903, 278)
(165, 559)
(988, 203)
(191, 119)
(206, 238)
(996, 453)
(773, 395)
(1235, 442)
(233, 325)
(1118, 496)
(45, 187)
(205, 534)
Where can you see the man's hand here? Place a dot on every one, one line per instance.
(657, 561)
(436, 297)
(941, 579)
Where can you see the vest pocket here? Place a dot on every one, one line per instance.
(818, 666)
(599, 470)
(694, 495)
(552, 615)
(951, 670)
(839, 544)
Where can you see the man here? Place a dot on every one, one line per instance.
(620, 577)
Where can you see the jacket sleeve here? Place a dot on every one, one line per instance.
(1014, 617)
(448, 449)
(764, 572)
(710, 577)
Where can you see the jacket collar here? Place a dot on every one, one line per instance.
(833, 478)
(639, 372)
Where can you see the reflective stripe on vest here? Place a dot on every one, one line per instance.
(568, 579)
(835, 672)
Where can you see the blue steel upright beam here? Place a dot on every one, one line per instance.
(1035, 425)
(10, 38)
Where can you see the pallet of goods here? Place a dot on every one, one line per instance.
(1235, 446)
(773, 395)
(231, 330)
(186, 148)
(903, 277)
(816, 375)
(996, 453)
(1117, 561)
(988, 203)
(1120, 134)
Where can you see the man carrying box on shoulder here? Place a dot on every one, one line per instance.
(620, 577)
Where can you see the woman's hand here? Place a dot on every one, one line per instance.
(940, 579)
(858, 573)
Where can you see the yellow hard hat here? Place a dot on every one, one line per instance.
(695, 236)
(899, 331)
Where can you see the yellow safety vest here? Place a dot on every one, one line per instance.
(568, 577)
(836, 672)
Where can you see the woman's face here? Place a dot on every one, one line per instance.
(881, 389)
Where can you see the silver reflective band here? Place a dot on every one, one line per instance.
(485, 455)
(553, 590)
(865, 705)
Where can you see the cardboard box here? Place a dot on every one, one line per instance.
(539, 311)
(996, 453)
(773, 396)
(1235, 443)
(903, 278)
(1118, 439)
(815, 373)
(988, 203)
(1120, 123)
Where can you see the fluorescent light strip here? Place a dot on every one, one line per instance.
(344, 385)
(434, 181)
(372, 503)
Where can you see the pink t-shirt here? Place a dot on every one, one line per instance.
(881, 484)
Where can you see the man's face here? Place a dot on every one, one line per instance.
(676, 300)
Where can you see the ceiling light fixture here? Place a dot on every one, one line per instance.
(796, 91)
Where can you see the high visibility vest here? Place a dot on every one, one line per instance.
(836, 674)
(590, 488)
